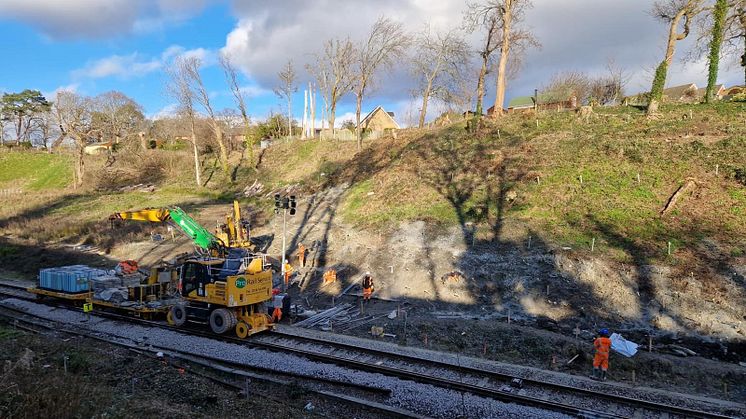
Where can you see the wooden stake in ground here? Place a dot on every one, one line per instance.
(688, 185)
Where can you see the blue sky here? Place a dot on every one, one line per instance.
(92, 46)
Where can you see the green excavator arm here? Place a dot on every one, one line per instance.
(201, 237)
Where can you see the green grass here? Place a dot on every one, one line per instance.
(35, 170)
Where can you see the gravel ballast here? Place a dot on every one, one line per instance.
(420, 398)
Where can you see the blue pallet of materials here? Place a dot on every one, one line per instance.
(72, 279)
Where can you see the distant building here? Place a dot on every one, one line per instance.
(686, 93)
(98, 148)
(732, 91)
(520, 103)
(379, 120)
(718, 93)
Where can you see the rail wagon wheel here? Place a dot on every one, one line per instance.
(177, 314)
(242, 329)
(221, 321)
(170, 318)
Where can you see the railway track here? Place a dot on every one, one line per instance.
(576, 401)
(364, 397)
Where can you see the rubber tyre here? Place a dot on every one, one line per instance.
(221, 321)
(242, 329)
(178, 314)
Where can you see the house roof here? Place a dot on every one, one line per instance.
(521, 102)
(679, 91)
(390, 115)
(702, 90)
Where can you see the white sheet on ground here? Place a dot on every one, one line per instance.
(621, 345)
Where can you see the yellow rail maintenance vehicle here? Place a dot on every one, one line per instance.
(227, 293)
(226, 285)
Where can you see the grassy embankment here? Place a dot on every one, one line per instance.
(565, 180)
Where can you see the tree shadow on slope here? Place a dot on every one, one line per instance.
(319, 212)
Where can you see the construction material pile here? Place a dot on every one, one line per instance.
(114, 288)
(340, 318)
(72, 279)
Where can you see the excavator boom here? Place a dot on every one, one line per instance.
(201, 237)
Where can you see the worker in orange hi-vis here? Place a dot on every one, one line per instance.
(330, 276)
(602, 344)
(367, 286)
(301, 255)
(277, 304)
(288, 273)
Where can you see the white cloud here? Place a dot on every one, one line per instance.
(98, 18)
(576, 35)
(73, 87)
(122, 66)
(254, 91)
(135, 65)
(167, 111)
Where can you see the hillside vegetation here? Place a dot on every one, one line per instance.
(600, 183)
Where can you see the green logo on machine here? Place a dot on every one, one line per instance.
(240, 282)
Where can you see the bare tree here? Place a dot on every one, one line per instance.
(512, 39)
(499, 20)
(75, 116)
(608, 89)
(231, 76)
(438, 64)
(483, 16)
(180, 88)
(563, 86)
(734, 40)
(672, 12)
(202, 96)
(386, 42)
(286, 89)
(117, 116)
(334, 72)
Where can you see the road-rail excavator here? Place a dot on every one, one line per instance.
(226, 285)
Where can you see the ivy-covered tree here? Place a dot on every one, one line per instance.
(716, 41)
(20, 109)
(672, 12)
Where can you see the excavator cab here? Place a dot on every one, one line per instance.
(194, 277)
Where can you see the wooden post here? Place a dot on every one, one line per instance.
(638, 178)
(669, 248)
(717, 169)
(593, 244)
(426, 344)
(509, 312)
(484, 349)
(634, 379)
(650, 343)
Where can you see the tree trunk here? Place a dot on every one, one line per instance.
(480, 94)
(313, 111)
(19, 129)
(80, 167)
(221, 147)
(504, 51)
(480, 85)
(425, 99)
(718, 15)
(290, 116)
(742, 18)
(358, 129)
(332, 116)
(659, 80)
(197, 171)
